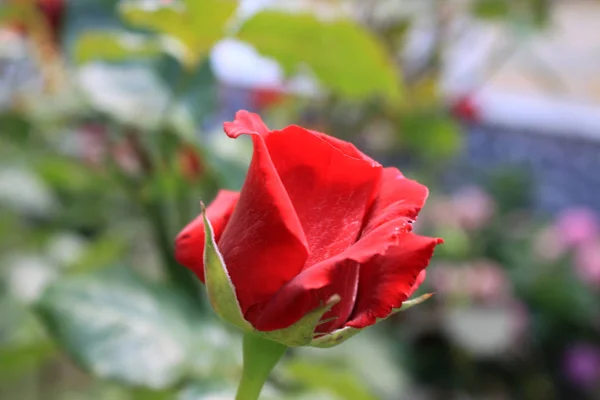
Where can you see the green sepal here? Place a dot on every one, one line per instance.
(218, 283)
(341, 335)
(302, 332)
(334, 338)
(221, 294)
(411, 303)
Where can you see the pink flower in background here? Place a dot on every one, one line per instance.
(473, 207)
(587, 263)
(581, 364)
(447, 279)
(548, 246)
(487, 281)
(124, 154)
(442, 213)
(482, 280)
(92, 138)
(577, 226)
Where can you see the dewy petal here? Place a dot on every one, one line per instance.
(330, 190)
(189, 244)
(389, 277)
(263, 245)
(245, 123)
(397, 197)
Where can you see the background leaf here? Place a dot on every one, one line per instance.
(118, 327)
(338, 381)
(21, 359)
(197, 25)
(112, 46)
(342, 54)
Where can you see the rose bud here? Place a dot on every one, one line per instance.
(316, 246)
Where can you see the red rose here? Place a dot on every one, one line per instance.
(315, 218)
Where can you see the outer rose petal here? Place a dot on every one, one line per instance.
(418, 282)
(332, 276)
(388, 278)
(263, 245)
(330, 190)
(245, 123)
(345, 147)
(307, 291)
(398, 197)
(189, 244)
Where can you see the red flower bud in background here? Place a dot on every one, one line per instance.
(466, 108)
(262, 98)
(53, 12)
(190, 164)
(316, 246)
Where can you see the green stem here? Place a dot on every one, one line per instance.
(260, 357)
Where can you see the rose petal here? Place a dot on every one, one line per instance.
(245, 123)
(391, 276)
(336, 275)
(345, 147)
(189, 244)
(307, 291)
(397, 197)
(263, 245)
(418, 282)
(331, 191)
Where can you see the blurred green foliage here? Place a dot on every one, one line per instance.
(342, 54)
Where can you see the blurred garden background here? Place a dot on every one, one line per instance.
(111, 119)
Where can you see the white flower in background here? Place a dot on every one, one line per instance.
(23, 191)
(131, 94)
(238, 64)
(66, 248)
(485, 331)
(237, 151)
(28, 276)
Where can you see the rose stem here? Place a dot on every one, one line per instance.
(260, 357)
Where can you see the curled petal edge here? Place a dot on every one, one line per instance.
(222, 297)
(341, 335)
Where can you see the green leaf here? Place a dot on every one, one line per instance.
(14, 12)
(197, 25)
(111, 46)
(20, 359)
(491, 9)
(435, 136)
(342, 54)
(336, 380)
(120, 328)
(104, 251)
